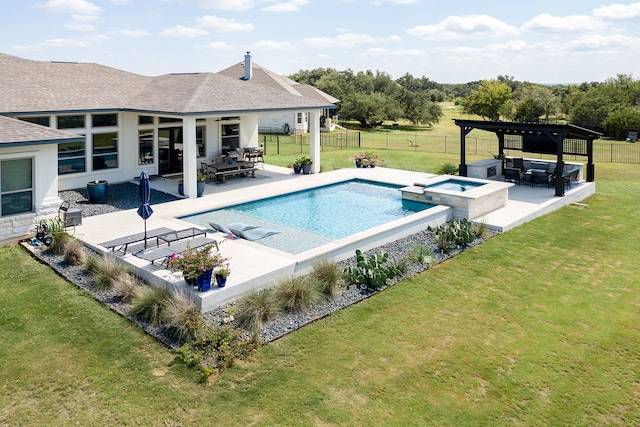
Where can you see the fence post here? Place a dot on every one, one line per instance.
(278, 143)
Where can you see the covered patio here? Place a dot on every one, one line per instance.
(539, 138)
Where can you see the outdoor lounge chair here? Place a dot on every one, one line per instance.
(123, 243)
(165, 252)
(227, 230)
(253, 233)
(539, 177)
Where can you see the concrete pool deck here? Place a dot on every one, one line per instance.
(257, 266)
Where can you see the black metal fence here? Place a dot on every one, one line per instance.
(608, 152)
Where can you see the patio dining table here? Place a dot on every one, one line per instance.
(221, 170)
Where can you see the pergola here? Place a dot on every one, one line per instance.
(539, 138)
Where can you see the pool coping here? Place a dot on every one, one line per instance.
(255, 266)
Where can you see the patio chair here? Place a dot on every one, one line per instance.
(253, 233)
(514, 175)
(518, 162)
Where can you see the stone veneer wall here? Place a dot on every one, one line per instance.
(22, 226)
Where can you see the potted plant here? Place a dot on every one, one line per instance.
(306, 165)
(202, 179)
(297, 166)
(222, 271)
(196, 266)
(181, 187)
(357, 158)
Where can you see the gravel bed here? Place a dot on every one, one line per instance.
(119, 197)
(289, 322)
(125, 196)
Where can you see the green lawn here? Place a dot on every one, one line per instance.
(537, 326)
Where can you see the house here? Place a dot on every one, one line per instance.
(70, 123)
(284, 121)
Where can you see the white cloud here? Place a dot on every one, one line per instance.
(180, 31)
(65, 43)
(597, 42)
(217, 46)
(288, 6)
(396, 52)
(556, 24)
(85, 18)
(349, 39)
(456, 27)
(131, 33)
(272, 45)
(618, 11)
(71, 6)
(240, 5)
(222, 25)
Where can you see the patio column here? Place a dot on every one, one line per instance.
(189, 156)
(314, 140)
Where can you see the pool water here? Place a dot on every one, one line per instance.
(312, 218)
(457, 185)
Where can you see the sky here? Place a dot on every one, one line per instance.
(454, 41)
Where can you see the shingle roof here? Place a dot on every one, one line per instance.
(18, 132)
(264, 77)
(28, 86)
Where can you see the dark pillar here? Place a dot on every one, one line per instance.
(462, 169)
(591, 169)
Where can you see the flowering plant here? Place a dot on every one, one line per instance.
(367, 158)
(223, 268)
(194, 262)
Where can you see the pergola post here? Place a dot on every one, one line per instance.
(590, 166)
(464, 131)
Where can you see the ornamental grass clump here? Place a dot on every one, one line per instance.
(256, 308)
(74, 252)
(328, 276)
(59, 242)
(107, 270)
(128, 287)
(298, 293)
(151, 305)
(183, 318)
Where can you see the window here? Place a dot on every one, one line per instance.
(169, 120)
(230, 137)
(70, 122)
(102, 120)
(145, 120)
(16, 186)
(200, 144)
(43, 120)
(145, 147)
(105, 151)
(299, 117)
(71, 158)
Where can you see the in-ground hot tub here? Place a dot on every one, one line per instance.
(470, 198)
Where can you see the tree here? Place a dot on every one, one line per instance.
(419, 109)
(487, 100)
(369, 109)
(533, 101)
(619, 122)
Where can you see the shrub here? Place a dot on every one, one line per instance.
(257, 307)
(128, 287)
(74, 252)
(218, 348)
(60, 240)
(151, 305)
(328, 276)
(297, 293)
(421, 254)
(370, 272)
(107, 270)
(447, 169)
(183, 317)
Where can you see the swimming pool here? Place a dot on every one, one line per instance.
(457, 185)
(312, 218)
